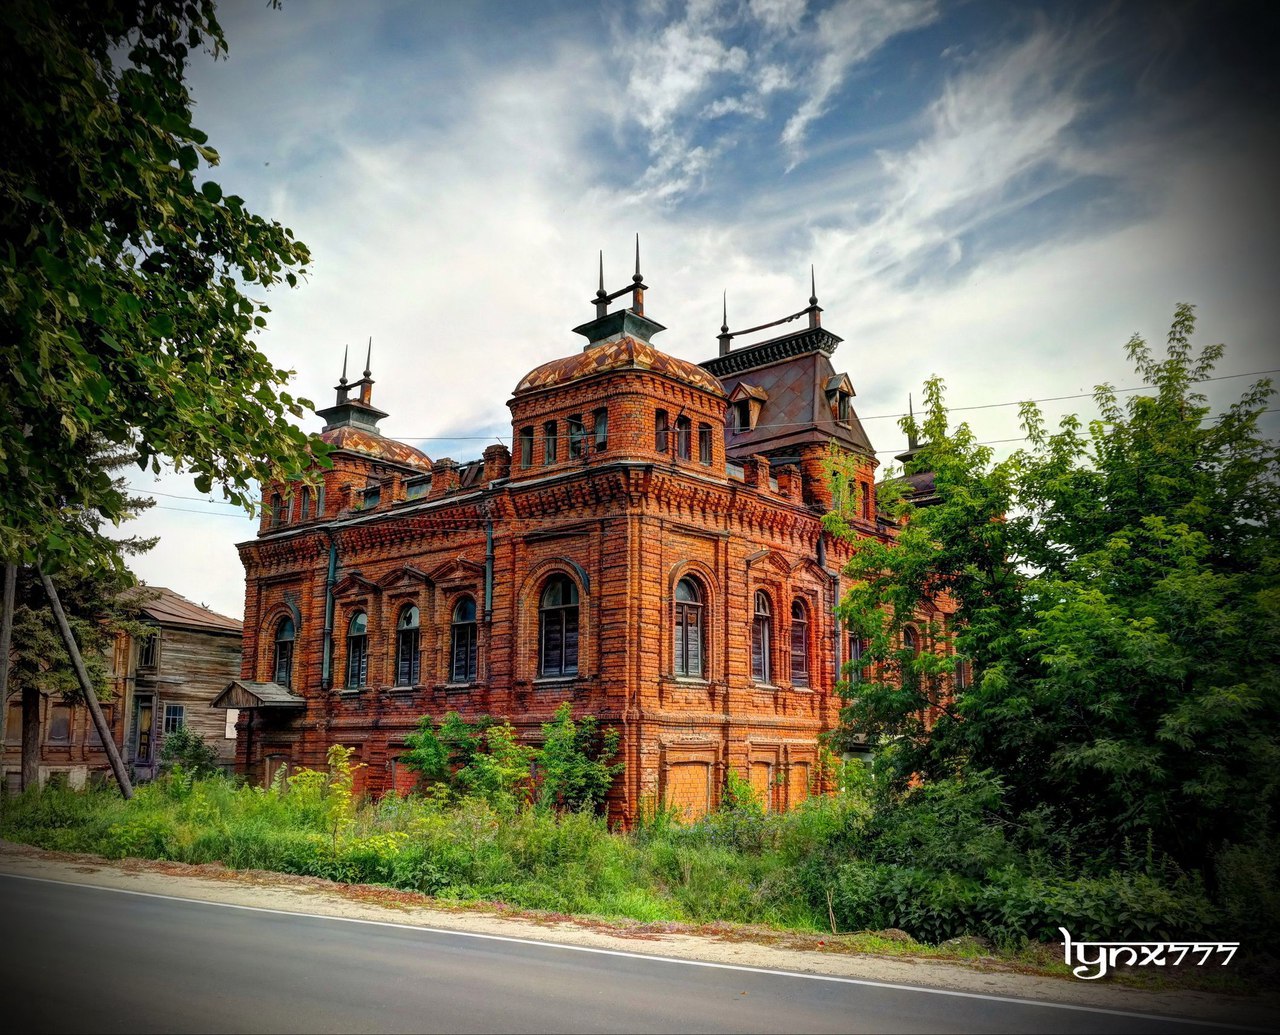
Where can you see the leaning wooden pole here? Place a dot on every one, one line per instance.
(6, 634)
(90, 695)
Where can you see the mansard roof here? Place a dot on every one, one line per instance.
(622, 353)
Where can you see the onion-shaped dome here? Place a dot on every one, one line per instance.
(623, 353)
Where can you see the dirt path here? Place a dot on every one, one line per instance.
(720, 944)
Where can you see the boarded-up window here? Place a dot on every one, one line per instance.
(761, 637)
(689, 789)
(13, 725)
(762, 783)
(799, 782)
(108, 716)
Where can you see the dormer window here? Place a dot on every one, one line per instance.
(839, 396)
(842, 407)
(742, 415)
(372, 497)
(745, 403)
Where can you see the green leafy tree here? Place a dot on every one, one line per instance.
(575, 767)
(126, 276)
(501, 774)
(1119, 601)
(184, 751)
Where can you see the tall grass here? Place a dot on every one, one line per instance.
(798, 870)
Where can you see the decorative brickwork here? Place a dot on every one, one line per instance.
(625, 481)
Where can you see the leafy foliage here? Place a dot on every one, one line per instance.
(185, 752)
(1118, 599)
(573, 763)
(125, 276)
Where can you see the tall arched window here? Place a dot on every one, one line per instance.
(462, 643)
(357, 651)
(304, 506)
(688, 629)
(761, 638)
(284, 652)
(799, 643)
(558, 628)
(407, 643)
(277, 510)
(910, 643)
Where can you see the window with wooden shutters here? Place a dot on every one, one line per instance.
(684, 430)
(601, 428)
(558, 628)
(577, 436)
(462, 666)
(407, 647)
(688, 629)
(285, 634)
(761, 635)
(357, 651)
(799, 643)
(661, 431)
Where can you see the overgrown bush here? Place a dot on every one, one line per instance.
(184, 750)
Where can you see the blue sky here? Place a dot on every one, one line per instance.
(997, 192)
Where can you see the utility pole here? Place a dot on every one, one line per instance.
(6, 634)
(90, 695)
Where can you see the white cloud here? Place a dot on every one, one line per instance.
(778, 15)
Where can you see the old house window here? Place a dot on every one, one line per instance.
(91, 727)
(865, 492)
(684, 430)
(320, 501)
(661, 431)
(688, 628)
(911, 644)
(59, 731)
(842, 407)
(407, 656)
(175, 717)
(277, 510)
(526, 446)
(462, 668)
(372, 497)
(761, 638)
(558, 628)
(357, 651)
(284, 652)
(799, 643)
(550, 445)
(577, 436)
(962, 675)
(13, 725)
(742, 415)
(149, 651)
(304, 504)
(704, 443)
(857, 671)
(601, 426)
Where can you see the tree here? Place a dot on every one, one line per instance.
(1118, 588)
(574, 767)
(124, 301)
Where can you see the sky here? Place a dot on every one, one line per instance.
(998, 193)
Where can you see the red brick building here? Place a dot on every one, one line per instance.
(652, 553)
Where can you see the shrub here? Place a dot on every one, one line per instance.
(185, 751)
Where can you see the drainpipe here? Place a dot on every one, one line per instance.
(488, 571)
(326, 661)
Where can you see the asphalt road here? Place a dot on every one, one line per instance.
(77, 958)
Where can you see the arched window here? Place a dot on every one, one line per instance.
(761, 638)
(304, 507)
(688, 629)
(284, 652)
(277, 510)
(558, 628)
(799, 643)
(407, 643)
(462, 643)
(684, 430)
(357, 651)
(911, 644)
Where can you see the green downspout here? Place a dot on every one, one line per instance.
(488, 571)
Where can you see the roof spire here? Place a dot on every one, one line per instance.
(636, 277)
(343, 379)
(368, 356)
(814, 310)
(912, 443)
(724, 337)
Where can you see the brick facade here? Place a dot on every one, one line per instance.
(621, 514)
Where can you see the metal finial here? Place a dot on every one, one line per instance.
(912, 441)
(910, 408)
(343, 379)
(637, 278)
(601, 292)
(724, 313)
(368, 356)
(813, 287)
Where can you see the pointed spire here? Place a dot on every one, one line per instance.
(813, 287)
(343, 379)
(724, 313)
(912, 442)
(636, 277)
(367, 357)
(814, 310)
(600, 291)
